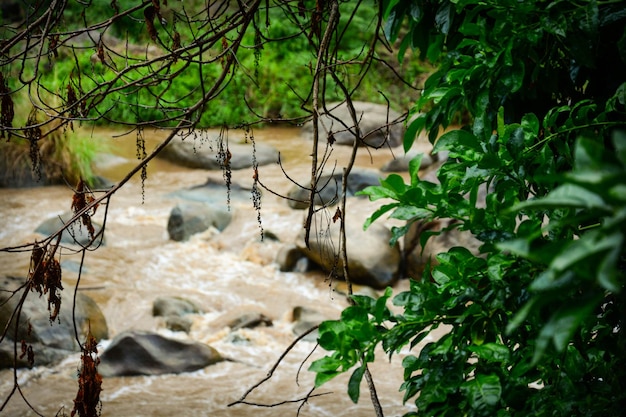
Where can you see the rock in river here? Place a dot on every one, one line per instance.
(147, 353)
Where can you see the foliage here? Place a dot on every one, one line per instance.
(66, 156)
(273, 77)
(534, 324)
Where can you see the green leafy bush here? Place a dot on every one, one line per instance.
(534, 324)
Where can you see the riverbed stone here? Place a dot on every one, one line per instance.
(304, 319)
(147, 353)
(214, 192)
(371, 261)
(51, 342)
(203, 151)
(291, 259)
(401, 161)
(75, 234)
(330, 185)
(250, 321)
(373, 120)
(187, 219)
(173, 306)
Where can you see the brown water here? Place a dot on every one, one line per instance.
(226, 275)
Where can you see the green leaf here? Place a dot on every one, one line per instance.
(443, 18)
(530, 124)
(395, 16)
(414, 167)
(514, 139)
(354, 385)
(379, 212)
(563, 323)
(416, 126)
(380, 311)
(483, 392)
(587, 246)
(456, 141)
(410, 213)
(329, 334)
(567, 195)
(521, 315)
(322, 377)
(376, 192)
(491, 352)
(608, 276)
(394, 183)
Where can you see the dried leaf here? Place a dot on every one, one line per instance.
(337, 215)
(53, 42)
(80, 200)
(7, 111)
(37, 267)
(27, 350)
(52, 283)
(149, 14)
(33, 134)
(87, 402)
(100, 52)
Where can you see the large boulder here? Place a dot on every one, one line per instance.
(76, 233)
(187, 219)
(50, 341)
(330, 185)
(146, 353)
(215, 193)
(371, 261)
(373, 123)
(197, 151)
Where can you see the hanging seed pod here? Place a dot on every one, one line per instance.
(7, 111)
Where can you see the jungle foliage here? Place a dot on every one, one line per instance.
(533, 325)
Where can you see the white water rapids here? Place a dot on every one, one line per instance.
(225, 275)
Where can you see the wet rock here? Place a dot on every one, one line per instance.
(51, 342)
(291, 259)
(76, 233)
(178, 324)
(173, 307)
(330, 185)
(145, 353)
(187, 219)
(304, 319)
(373, 120)
(261, 252)
(401, 162)
(215, 193)
(204, 152)
(249, 321)
(174, 310)
(371, 261)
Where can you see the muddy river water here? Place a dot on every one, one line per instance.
(226, 276)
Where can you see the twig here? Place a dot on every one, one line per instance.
(271, 371)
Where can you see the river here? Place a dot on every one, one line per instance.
(226, 276)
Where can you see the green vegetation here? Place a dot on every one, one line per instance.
(271, 80)
(534, 325)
